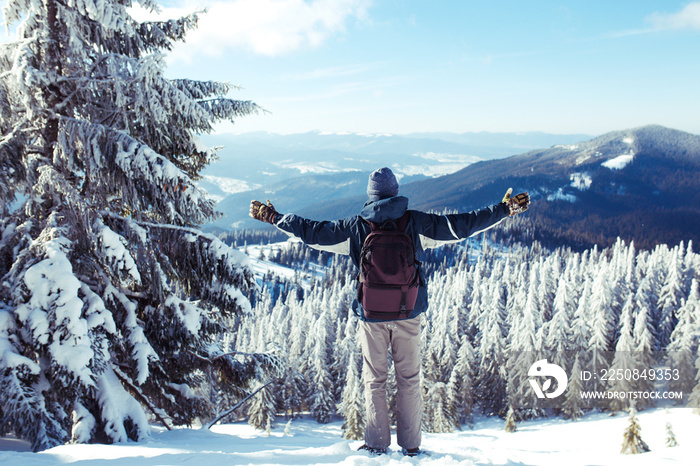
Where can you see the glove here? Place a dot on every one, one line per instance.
(516, 204)
(264, 213)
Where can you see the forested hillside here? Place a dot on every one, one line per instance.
(641, 185)
(494, 311)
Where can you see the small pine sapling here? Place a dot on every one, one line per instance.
(632, 439)
(510, 421)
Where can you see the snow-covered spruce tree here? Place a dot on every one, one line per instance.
(601, 326)
(352, 405)
(262, 409)
(693, 307)
(320, 398)
(682, 348)
(459, 387)
(439, 414)
(632, 442)
(572, 407)
(644, 342)
(671, 440)
(625, 359)
(523, 350)
(111, 297)
(490, 384)
(510, 426)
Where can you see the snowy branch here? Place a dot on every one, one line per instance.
(157, 412)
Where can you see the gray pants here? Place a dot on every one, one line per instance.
(404, 338)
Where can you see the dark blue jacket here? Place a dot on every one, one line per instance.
(427, 231)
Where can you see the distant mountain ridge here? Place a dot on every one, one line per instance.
(641, 184)
(300, 171)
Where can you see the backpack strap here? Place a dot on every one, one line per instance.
(398, 224)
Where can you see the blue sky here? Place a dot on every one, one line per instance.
(399, 66)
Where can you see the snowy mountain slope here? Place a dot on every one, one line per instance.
(300, 170)
(317, 188)
(596, 439)
(642, 184)
(261, 265)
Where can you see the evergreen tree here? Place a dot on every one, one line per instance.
(558, 330)
(632, 440)
(510, 426)
(694, 310)
(523, 350)
(601, 325)
(670, 435)
(459, 387)
(573, 403)
(351, 406)
(580, 326)
(670, 299)
(343, 351)
(644, 342)
(262, 410)
(624, 359)
(321, 400)
(694, 399)
(490, 384)
(290, 389)
(441, 352)
(110, 291)
(549, 272)
(439, 415)
(681, 350)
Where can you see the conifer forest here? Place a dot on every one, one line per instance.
(495, 309)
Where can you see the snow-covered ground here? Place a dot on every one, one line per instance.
(595, 440)
(260, 265)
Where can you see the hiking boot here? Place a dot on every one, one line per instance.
(411, 451)
(372, 451)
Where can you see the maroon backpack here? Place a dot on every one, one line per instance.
(388, 283)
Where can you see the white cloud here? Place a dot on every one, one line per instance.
(687, 18)
(266, 27)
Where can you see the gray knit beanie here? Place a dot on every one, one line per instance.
(382, 184)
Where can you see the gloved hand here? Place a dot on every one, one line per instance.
(262, 212)
(516, 204)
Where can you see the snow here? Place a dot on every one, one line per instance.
(334, 133)
(315, 167)
(189, 314)
(619, 162)
(53, 288)
(142, 351)
(115, 251)
(262, 266)
(446, 164)
(595, 439)
(559, 195)
(83, 424)
(448, 158)
(427, 169)
(8, 356)
(117, 405)
(230, 185)
(581, 181)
